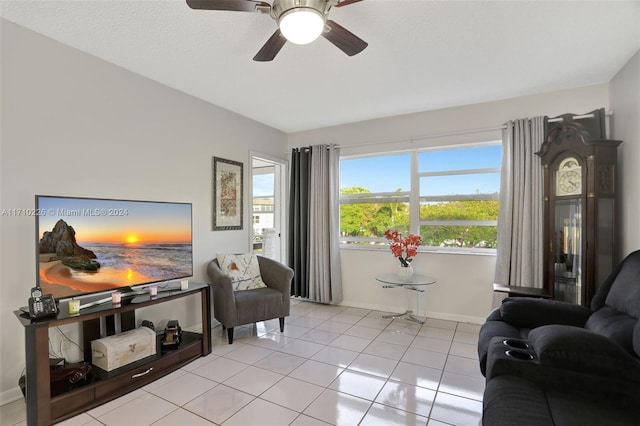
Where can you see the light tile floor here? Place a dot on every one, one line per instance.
(332, 365)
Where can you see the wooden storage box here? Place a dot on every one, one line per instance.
(121, 349)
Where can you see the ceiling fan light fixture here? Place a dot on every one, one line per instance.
(301, 25)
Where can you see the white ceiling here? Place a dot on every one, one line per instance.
(422, 54)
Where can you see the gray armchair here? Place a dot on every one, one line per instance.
(232, 308)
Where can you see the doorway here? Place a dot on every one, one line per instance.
(268, 189)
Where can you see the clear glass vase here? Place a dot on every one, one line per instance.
(405, 272)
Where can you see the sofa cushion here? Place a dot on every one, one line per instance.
(581, 350)
(258, 305)
(243, 269)
(516, 401)
(569, 408)
(512, 401)
(613, 324)
(636, 338)
(624, 295)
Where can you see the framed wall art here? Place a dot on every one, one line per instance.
(227, 194)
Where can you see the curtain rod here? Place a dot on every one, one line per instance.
(461, 132)
(437, 135)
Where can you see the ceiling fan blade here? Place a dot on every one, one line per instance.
(344, 39)
(346, 2)
(271, 47)
(236, 5)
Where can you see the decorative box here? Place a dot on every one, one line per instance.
(121, 349)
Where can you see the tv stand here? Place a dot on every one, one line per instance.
(46, 405)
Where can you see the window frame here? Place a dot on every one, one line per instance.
(413, 197)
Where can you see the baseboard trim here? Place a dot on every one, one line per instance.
(11, 395)
(429, 314)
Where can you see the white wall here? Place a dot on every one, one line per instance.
(463, 290)
(625, 102)
(75, 125)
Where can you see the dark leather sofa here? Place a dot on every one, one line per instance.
(554, 363)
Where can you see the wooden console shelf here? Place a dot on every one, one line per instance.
(45, 408)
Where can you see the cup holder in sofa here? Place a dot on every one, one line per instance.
(518, 354)
(516, 344)
(511, 356)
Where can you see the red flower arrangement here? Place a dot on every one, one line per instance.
(403, 248)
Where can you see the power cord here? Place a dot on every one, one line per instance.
(61, 350)
(70, 340)
(52, 352)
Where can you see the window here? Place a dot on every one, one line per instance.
(449, 196)
(459, 195)
(374, 196)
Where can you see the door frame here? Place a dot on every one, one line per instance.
(281, 187)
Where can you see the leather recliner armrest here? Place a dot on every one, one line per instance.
(526, 312)
(576, 349)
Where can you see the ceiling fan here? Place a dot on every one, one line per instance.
(299, 21)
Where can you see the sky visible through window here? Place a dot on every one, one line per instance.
(263, 185)
(392, 172)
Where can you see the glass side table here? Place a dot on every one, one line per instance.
(416, 282)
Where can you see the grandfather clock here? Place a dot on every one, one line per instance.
(579, 207)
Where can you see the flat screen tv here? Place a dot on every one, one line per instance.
(89, 245)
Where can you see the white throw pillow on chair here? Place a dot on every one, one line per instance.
(243, 269)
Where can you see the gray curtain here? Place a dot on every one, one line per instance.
(314, 224)
(519, 259)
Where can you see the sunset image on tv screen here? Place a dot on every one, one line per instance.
(91, 245)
